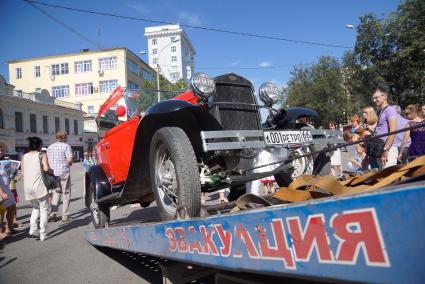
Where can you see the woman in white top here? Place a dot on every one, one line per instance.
(34, 188)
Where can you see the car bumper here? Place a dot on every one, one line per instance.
(232, 140)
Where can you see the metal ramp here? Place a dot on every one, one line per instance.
(369, 237)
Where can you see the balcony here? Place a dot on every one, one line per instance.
(44, 97)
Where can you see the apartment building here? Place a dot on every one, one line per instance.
(170, 51)
(23, 115)
(86, 77)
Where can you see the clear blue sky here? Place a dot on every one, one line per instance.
(26, 32)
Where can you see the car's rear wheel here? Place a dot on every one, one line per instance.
(174, 173)
(100, 213)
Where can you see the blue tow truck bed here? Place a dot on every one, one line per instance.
(376, 236)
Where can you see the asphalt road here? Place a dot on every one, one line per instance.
(66, 257)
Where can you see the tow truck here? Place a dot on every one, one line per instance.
(364, 237)
(372, 236)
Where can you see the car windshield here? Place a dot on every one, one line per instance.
(137, 101)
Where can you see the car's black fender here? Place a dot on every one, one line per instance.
(171, 113)
(98, 180)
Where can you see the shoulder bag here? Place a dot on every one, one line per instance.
(375, 146)
(49, 179)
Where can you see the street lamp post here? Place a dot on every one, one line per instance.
(158, 68)
(157, 80)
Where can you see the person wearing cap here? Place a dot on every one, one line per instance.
(60, 159)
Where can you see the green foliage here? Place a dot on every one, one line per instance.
(167, 91)
(390, 50)
(319, 87)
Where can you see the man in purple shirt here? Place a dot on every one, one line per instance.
(387, 123)
(401, 123)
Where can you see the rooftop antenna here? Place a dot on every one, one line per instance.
(99, 31)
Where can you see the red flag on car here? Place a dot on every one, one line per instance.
(116, 95)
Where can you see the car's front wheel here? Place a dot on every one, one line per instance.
(100, 213)
(174, 173)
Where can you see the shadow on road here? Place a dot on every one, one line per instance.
(75, 223)
(146, 267)
(7, 262)
(142, 215)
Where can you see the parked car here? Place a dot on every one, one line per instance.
(205, 139)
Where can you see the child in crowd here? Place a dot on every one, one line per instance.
(359, 162)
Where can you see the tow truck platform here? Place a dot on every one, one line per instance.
(376, 236)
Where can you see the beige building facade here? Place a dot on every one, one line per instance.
(87, 77)
(23, 115)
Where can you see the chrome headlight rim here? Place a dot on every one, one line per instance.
(197, 81)
(268, 93)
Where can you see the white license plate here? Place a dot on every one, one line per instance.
(287, 137)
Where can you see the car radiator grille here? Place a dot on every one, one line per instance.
(232, 116)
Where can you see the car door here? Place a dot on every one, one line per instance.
(119, 147)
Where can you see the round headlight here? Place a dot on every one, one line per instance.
(269, 94)
(202, 85)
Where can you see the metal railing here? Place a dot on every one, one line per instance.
(40, 98)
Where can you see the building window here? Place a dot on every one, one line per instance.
(189, 71)
(60, 69)
(154, 41)
(108, 85)
(90, 109)
(75, 127)
(18, 73)
(1, 119)
(60, 91)
(132, 85)
(132, 66)
(33, 123)
(83, 89)
(64, 68)
(174, 68)
(146, 75)
(45, 124)
(67, 126)
(173, 49)
(18, 122)
(174, 76)
(37, 71)
(57, 124)
(155, 51)
(155, 61)
(83, 66)
(108, 63)
(173, 58)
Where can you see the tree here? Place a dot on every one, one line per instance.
(319, 87)
(149, 95)
(390, 50)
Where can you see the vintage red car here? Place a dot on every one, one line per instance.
(205, 139)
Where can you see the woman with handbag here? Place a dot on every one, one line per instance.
(34, 188)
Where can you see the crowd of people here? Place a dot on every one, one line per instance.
(398, 148)
(56, 159)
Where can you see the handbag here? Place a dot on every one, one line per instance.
(374, 146)
(49, 179)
